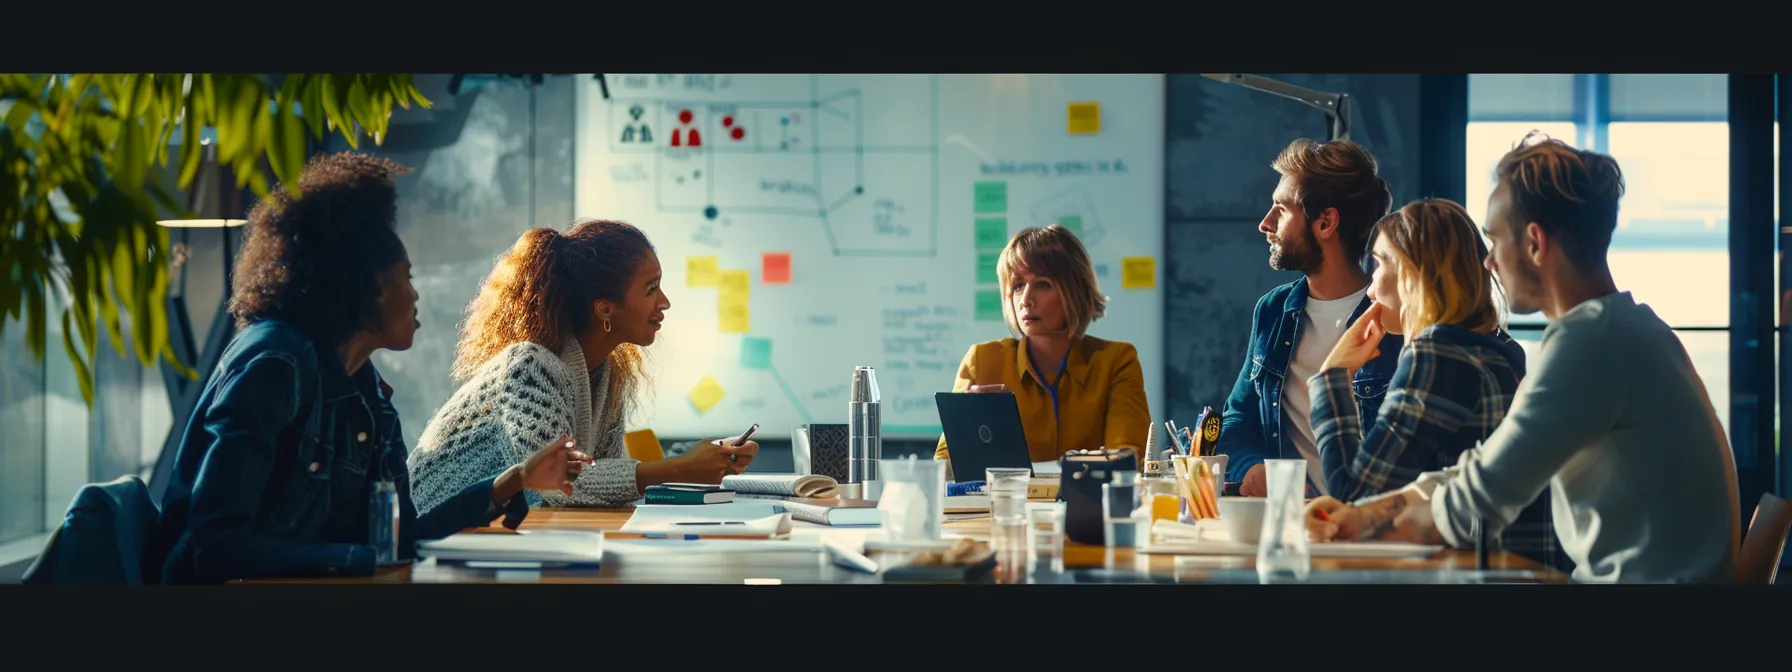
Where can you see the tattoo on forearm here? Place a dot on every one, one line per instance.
(1378, 517)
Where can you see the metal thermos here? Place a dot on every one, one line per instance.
(383, 522)
(864, 434)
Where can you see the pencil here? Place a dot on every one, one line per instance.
(1207, 494)
(1192, 487)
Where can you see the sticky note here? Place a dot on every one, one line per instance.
(989, 305)
(732, 317)
(1084, 118)
(737, 285)
(986, 267)
(700, 272)
(1072, 222)
(775, 270)
(707, 394)
(756, 353)
(991, 197)
(992, 233)
(1138, 272)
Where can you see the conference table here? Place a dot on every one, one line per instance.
(1082, 564)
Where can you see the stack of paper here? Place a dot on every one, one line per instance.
(775, 525)
(1208, 537)
(545, 546)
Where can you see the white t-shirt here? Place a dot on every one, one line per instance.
(1322, 324)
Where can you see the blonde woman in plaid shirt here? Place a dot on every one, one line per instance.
(1457, 373)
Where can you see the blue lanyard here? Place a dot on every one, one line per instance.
(1052, 387)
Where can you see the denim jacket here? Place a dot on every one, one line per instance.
(277, 466)
(1251, 424)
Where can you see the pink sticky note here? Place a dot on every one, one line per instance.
(777, 268)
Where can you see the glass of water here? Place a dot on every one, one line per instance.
(1007, 490)
(1118, 502)
(1282, 550)
(1046, 527)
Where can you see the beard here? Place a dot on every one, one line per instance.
(1521, 285)
(1300, 253)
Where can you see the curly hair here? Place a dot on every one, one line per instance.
(316, 261)
(541, 291)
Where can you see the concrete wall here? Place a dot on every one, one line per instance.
(1221, 139)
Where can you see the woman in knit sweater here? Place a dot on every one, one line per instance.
(552, 348)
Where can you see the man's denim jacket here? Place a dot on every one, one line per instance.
(1251, 429)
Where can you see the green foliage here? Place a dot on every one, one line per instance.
(76, 154)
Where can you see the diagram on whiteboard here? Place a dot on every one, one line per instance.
(803, 158)
(808, 224)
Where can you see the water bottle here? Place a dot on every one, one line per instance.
(864, 442)
(382, 524)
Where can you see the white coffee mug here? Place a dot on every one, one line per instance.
(1243, 517)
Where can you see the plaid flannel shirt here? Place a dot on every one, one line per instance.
(1449, 391)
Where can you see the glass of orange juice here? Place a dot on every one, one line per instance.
(1160, 495)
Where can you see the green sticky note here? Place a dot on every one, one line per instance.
(756, 353)
(1072, 222)
(989, 305)
(992, 233)
(991, 197)
(986, 267)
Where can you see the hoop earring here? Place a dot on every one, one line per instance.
(606, 325)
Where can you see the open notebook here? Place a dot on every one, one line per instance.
(783, 485)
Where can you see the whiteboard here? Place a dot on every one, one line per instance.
(808, 224)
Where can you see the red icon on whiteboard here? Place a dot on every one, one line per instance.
(686, 135)
(737, 132)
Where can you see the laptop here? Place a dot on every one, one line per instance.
(982, 430)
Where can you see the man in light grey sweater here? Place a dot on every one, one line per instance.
(1612, 414)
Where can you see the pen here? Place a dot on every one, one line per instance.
(743, 440)
(1175, 441)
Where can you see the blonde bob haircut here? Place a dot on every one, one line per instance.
(1054, 253)
(1440, 259)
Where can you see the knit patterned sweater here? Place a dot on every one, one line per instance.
(512, 406)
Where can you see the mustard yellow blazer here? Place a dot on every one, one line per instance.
(1101, 396)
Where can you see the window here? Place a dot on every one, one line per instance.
(1670, 135)
(1672, 246)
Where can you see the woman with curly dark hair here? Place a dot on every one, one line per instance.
(294, 435)
(553, 346)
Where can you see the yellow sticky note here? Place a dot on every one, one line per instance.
(1138, 273)
(735, 283)
(707, 394)
(1084, 118)
(732, 317)
(700, 272)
